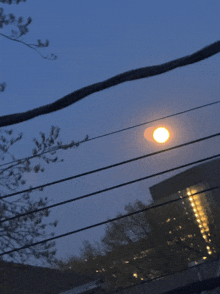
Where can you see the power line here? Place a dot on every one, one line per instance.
(110, 166)
(105, 222)
(154, 120)
(107, 189)
(115, 132)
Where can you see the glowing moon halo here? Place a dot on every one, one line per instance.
(161, 135)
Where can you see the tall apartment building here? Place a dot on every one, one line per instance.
(192, 206)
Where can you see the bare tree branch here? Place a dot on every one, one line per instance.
(131, 75)
(32, 46)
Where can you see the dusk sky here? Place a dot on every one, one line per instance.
(95, 40)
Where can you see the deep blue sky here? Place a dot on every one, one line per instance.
(95, 40)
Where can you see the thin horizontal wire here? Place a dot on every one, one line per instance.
(154, 120)
(108, 189)
(105, 222)
(109, 166)
(115, 132)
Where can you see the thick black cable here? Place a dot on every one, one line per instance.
(110, 166)
(115, 132)
(108, 189)
(106, 222)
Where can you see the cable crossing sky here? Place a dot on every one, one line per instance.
(104, 222)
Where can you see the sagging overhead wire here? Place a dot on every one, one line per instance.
(109, 189)
(110, 166)
(115, 132)
(106, 222)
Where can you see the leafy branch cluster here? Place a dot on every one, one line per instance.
(19, 30)
(25, 230)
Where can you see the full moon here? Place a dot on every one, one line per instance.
(161, 135)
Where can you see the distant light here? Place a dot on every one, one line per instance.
(135, 275)
(161, 135)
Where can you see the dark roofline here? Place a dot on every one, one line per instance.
(208, 172)
(23, 278)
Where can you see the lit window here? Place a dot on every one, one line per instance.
(207, 247)
(209, 252)
(204, 257)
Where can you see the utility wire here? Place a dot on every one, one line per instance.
(111, 166)
(105, 222)
(108, 189)
(154, 120)
(115, 132)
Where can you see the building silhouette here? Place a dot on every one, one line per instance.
(195, 207)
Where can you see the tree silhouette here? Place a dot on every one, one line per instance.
(19, 29)
(26, 229)
(156, 242)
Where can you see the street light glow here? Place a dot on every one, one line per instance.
(161, 135)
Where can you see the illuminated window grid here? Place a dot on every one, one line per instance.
(201, 218)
